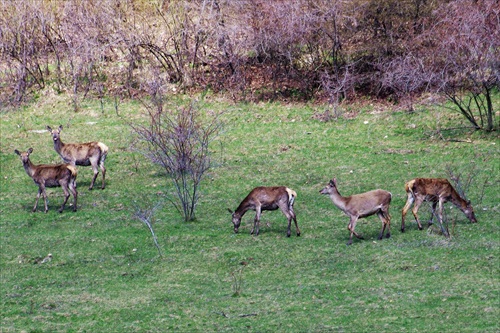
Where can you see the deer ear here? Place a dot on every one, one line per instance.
(60, 127)
(49, 129)
(230, 211)
(17, 152)
(30, 150)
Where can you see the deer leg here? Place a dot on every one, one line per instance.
(96, 172)
(385, 223)
(295, 220)
(350, 227)
(103, 170)
(409, 202)
(37, 198)
(72, 188)
(66, 196)
(434, 204)
(286, 211)
(256, 221)
(440, 218)
(418, 202)
(44, 194)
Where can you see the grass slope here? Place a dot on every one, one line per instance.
(106, 275)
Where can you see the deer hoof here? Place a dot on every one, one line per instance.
(388, 235)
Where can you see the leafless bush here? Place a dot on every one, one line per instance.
(254, 48)
(456, 55)
(178, 140)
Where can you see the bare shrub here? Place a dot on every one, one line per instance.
(178, 140)
(146, 216)
(457, 55)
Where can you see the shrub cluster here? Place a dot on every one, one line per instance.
(251, 49)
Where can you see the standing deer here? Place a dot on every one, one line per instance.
(44, 175)
(85, 154)
(267, 198)
(437, 191)
(361, 205)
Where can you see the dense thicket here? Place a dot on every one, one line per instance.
(254, 49)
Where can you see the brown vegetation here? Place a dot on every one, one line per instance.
(254, 49)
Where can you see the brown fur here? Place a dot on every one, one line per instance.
(45, 175)
(361, 205)
(435, 190)
(267, 198)
(85, 154)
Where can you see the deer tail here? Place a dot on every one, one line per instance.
(103, 147)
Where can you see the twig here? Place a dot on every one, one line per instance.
(145, 216)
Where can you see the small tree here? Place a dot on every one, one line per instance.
(178, 141)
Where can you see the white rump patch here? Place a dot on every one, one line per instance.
(103, 147)
(291, 196)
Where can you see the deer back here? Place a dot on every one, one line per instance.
(52, 175)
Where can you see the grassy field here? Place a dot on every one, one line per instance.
(106, 274)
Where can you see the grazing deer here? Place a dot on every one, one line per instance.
(267, 198)
(44, 175)
(361, 205)
(437, 191)
(85, 154)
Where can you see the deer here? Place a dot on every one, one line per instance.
(55, 175)
(437, 191)
(85, 154)
(361, 205)
(267, 198)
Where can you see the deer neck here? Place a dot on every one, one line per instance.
(457, 200)
(29, 168)
(58, 145)
(338, 200)
(242, 208)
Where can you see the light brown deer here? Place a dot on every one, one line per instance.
(44, 175)
(361, 205)
(85, 154)
(267, 198)
(435, 190)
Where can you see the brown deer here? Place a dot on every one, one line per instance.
(85, 154)
(437, 191)
(267, 198)
(361, 205)
(44, 175)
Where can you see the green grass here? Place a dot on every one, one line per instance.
(106, 275)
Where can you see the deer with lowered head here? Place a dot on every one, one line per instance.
(44, 175)
(267, 198)
(85, 154)
(361, 205)
(437, 191)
